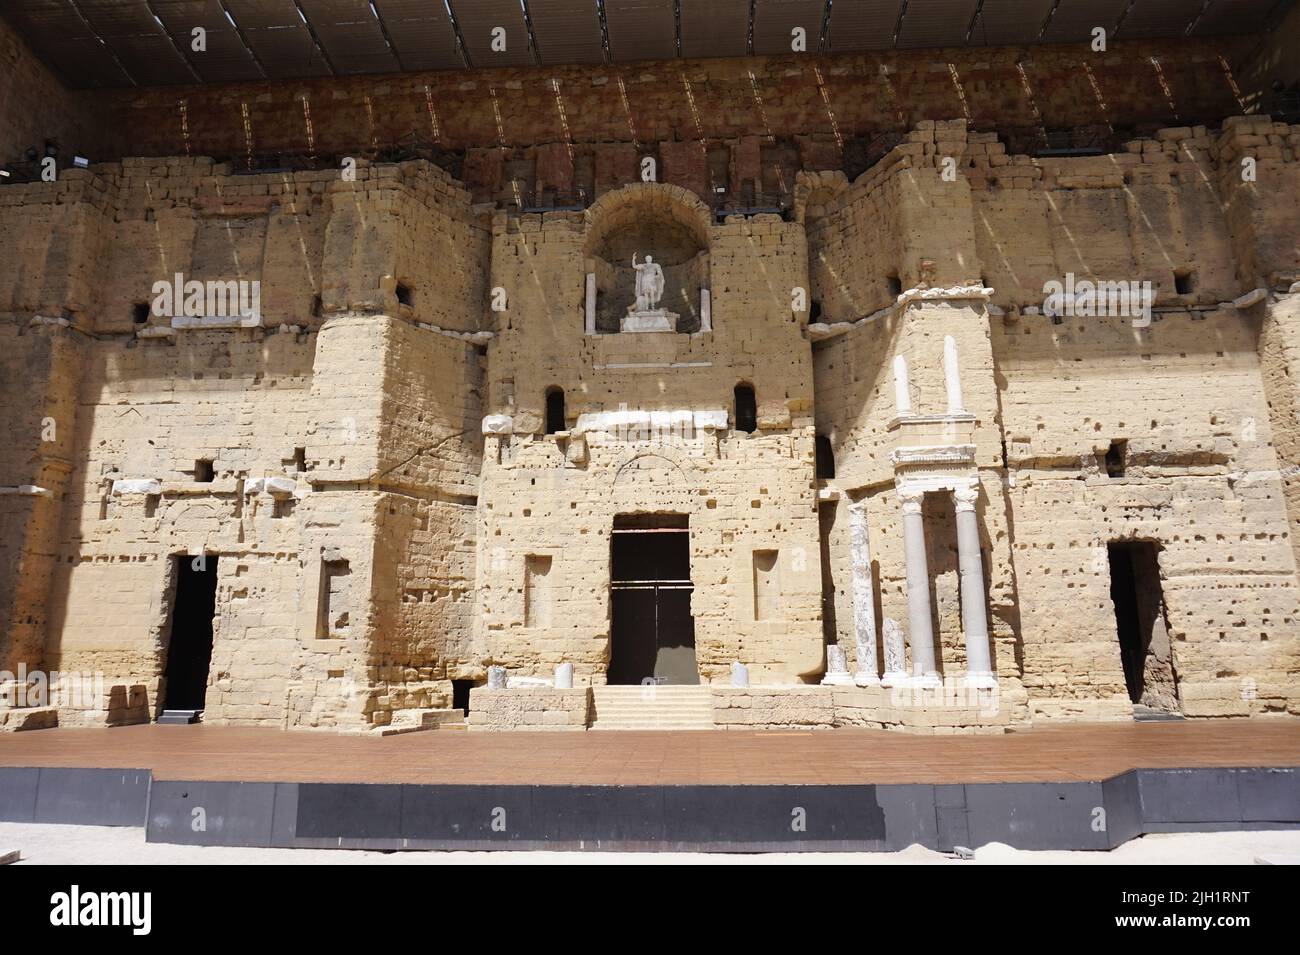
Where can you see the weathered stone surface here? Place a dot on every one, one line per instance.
(376, 469)
(530, 708)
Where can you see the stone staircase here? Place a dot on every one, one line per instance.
(652, 708)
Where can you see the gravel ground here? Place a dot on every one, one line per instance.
(93, 845)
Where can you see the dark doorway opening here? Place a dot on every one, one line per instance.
(460, 695)
(189, 647)
(746, 409)
(825, 457)
(653, 633)
(555, 419)
(1142, 627)
(1117, 459)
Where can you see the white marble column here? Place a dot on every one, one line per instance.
(591, 303)
(902, 396)
(864, 597)
(974, 615)
(706, 310)
(952, 375)
(920, 627)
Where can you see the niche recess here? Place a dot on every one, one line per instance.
(647, 219)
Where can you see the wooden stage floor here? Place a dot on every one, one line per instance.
(1075, 752)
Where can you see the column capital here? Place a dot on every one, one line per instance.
(910, 500)
(966, 498)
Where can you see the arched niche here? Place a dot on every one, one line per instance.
(641, 219)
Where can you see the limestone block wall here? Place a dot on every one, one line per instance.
(525, 708)
(38, 383)
(557, 496)
(406, 225)
(1202, 480)
(855, 408)
(1279, 353)
(431, 443)
(193, 217)
(148, 410)
(389, 555)
(374, 429)
(741, 494)
(919, 223)
(754, 265)
(1153, 212)
(53, 252)
(396, 417)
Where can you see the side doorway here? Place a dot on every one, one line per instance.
(189, 644)
(1142, 628)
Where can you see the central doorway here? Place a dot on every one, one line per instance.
(189, 647)
(652, 637)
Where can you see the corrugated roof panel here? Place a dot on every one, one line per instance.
(119, 18)
(351, 35)
(641, 29)
(421, 33)
(226, 60)
(152, 60)
(85, 62)
(1005, 22)
(1076, 19)
(182, 16)
(1234, 16)
(264, 14)
(567, 31)
(356, 47)
(47, 21)
(933, 23)
(862, 25)
(287, 52)
(775, 21)
(715, 28)
(479, 18)
(1159, 18)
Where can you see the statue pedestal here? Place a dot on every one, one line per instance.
(651, 320)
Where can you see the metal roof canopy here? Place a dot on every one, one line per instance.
(122, 43)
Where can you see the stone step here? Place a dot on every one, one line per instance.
(415, 721)
(179, 717)
(662, 726)
(652, 708)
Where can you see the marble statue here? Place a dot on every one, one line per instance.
(649, 283)
(645, 315)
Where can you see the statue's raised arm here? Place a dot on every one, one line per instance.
(634, 265)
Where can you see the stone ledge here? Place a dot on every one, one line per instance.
(529, 708)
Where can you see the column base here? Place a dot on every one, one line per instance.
(837, 679)
(865, 678)
(926, 681)
(894, 678)
(982, 680)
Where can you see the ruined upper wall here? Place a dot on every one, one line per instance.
(829, 107)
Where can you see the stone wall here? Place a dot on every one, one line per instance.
(583, 127)
(557, 495)
(530, 708)
(35, 107)
(382, 469)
